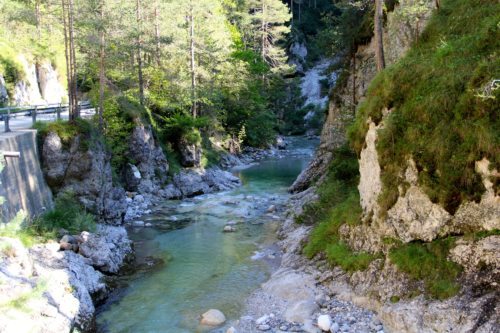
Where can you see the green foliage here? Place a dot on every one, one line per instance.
(338, 204)
(184, 127)
(66, 130)
(68, 214)
(441, 114)
(428, 262)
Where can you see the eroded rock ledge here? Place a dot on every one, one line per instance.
(45, 289)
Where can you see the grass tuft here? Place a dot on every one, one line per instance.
(428, 262)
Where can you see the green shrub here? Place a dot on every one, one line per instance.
(338, 204)
(441, 116)
(428, 262)
(68, 214)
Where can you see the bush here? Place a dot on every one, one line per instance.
(68, 214)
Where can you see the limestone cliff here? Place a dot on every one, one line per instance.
(413, 219)
(40, 83)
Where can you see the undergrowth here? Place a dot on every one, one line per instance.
(338, 204)
(444, 106)
(428, 262)
(67, 214)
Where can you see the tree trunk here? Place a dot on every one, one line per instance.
(157, 34)
(264, 32)
(192, 60)
(76, 113)
(101, 68)
(139, 50)
(354, 82)
(379, 51)
(67, 10)
(66, 53)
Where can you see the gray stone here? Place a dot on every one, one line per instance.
(190, 154)
(324, 322)
(263, 327)
(107, 249)
(335, 327)
(213, 317)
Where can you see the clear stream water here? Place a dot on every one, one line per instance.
(204, 267)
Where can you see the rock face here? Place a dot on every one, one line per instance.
(51, 88)
(413, 218)
(189, 183)
(398, 38)
(40, 85)
(87, 173)
(190, 154)
(53, 291)
(107, 249)
(151, 162)
(27, 92)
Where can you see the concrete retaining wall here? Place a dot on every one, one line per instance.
(22, 183)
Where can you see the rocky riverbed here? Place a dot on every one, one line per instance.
(294, 299)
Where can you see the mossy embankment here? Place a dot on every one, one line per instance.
(444, 113)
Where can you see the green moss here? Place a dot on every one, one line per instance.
(428, 262)
(442, 116)
(394, 299)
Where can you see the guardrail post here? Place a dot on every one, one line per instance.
(33, 114)
(6, 120)
(58, 111)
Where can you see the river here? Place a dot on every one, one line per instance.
(204, 267)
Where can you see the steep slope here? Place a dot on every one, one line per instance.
(418, 235)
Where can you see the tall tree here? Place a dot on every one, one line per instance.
(101, 64)
(69, 42)
(270, 20)
(378, 27)
(138, 14)
(192, 60)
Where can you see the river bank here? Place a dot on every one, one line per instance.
(294, 298)
(200, 266)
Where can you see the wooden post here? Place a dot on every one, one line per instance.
(58, 111)
(6, 120)
(33, 115)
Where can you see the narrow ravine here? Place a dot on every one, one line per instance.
(205, 267)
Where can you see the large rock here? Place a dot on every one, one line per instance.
(195, 182)
(26, 92)
(190, 154)
(107, 249)
(370, 184)
(149, 159)
(51, 89)
(213, 317)
(86, 172)
(53, 290)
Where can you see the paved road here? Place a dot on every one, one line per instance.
(21, 121)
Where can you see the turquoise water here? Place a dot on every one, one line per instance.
(205, 268)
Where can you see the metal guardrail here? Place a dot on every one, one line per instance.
(32, 111)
